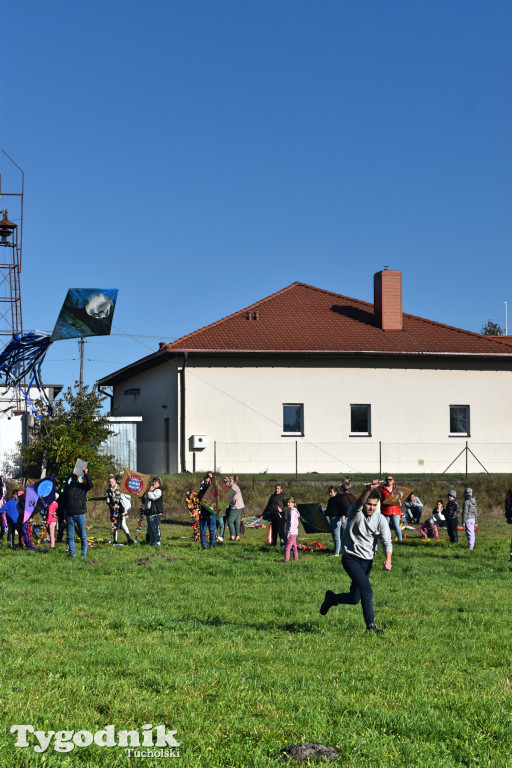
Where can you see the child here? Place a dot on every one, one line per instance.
(452, 517)
(292, 529)
(51, 520)
(10, 508)
(438, 514)
(469, 517)
(429, 529)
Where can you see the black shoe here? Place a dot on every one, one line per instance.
(373, 628)
(327, 603)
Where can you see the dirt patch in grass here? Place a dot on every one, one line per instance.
(304, 752)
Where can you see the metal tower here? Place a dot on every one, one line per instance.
(11, 241)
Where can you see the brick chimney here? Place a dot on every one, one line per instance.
(387, 299)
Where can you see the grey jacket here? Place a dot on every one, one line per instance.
(362, 533)
(469, 510)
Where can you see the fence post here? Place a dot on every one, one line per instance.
(296, 459)
(466, 462)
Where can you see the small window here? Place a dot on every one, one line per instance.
(293, 419)
(459, 420)
(360, 420)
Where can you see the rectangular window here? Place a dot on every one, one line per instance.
(360, 420)
(293, 419)
(459, 420)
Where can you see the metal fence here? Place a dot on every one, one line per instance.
(358, 457)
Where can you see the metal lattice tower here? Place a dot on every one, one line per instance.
(11, 241)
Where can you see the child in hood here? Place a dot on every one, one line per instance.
(429, 529)
(469, 516)
(451, 513)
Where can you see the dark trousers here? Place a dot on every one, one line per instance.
(12, 530)
(360, 588)
(278, 528)
(208, 522)
(451, 527)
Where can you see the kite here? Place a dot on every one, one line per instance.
(37, 497)
(85, 312)
(255, 521)
(396, 496)
(313, 518)
(20, 364)
(217, 497)
(194, 511)
(307, 547)
(134, 483)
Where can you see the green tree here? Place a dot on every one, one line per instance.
(491, 329)
(75, 429)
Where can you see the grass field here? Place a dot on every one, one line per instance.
(227, 648)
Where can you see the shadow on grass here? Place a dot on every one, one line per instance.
(297, 627)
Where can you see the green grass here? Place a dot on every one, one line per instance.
(227, 647)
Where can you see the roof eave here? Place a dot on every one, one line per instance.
(162, 356)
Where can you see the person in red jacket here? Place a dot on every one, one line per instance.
(392, 512)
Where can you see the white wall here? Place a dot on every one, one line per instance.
(240, 409)
(11, 433)
(409, 407)
(158, 387)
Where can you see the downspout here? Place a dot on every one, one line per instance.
(183, 414)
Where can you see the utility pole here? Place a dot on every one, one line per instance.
(81, 346)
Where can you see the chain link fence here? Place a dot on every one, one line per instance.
(299, 457)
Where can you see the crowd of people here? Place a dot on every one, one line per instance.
(67, 513)
(356, 524)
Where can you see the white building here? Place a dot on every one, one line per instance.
(14, 421)
(311, 380)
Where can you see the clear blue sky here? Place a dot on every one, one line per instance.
(201, 155)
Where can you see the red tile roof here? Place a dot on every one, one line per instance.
(507, 340)
(302, 318)
(305, 320)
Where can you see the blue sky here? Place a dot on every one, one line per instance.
(200, 155)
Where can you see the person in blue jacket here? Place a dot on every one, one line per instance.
(12, 513)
